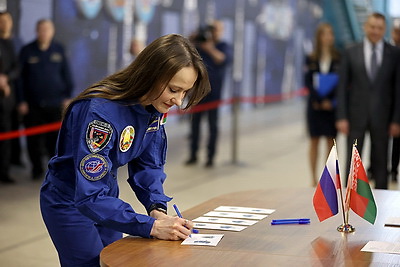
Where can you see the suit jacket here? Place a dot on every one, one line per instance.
(362, 101)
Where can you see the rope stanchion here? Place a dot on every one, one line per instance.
(55, 126)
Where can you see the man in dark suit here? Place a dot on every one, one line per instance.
(369, 96)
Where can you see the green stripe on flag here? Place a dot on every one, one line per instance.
(364, 189)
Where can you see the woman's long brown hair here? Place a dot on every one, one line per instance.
(148, 75)
(317, 53)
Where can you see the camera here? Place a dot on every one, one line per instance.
(204, 34)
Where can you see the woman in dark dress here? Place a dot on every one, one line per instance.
(320, 80)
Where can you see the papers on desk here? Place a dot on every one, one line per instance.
(238, 215)
(225, 221)
(393, 221)
(225, 218)
(216, 226)
(244, 209)
(383, 247)
(203, 240)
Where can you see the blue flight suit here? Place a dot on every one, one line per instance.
(79, 197)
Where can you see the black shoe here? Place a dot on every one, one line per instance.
(209, 164)
(7, 180)
(191, 161)
(393, 176)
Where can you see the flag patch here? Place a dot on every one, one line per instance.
(98, 135)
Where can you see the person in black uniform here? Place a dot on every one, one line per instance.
(321, 80)
(396, 140)
(46, 87)
(6, 25)
(8, 74)
(217, 55)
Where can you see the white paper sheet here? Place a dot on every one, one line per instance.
(236, 215)
(216, 226)
(383, 247)
(225, 221)
(203, 240)
(244, 209)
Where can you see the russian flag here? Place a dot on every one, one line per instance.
(325, 199)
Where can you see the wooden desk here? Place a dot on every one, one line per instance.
(262, 244)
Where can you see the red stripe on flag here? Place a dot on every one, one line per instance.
(321, 206)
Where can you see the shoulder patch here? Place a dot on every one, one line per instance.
(154, 125)
(94, 167)
(126, 140)
(98, 134)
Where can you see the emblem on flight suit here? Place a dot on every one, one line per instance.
(98, 134)
(127, 136)
(164, 119)
(154, 125)
(94, 167)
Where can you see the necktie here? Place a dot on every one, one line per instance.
(374, 62)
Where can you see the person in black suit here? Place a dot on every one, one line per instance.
(369, 96)
(8, 75)
(321, 105)
(396, 140)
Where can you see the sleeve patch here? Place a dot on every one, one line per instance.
(98, 135)
(93, 167)
(127, 136)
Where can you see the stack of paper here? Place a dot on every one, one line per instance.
(225, 218)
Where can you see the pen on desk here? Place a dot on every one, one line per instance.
(290, 221)
(195, 231)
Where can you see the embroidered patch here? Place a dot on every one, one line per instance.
(164, 119)
(127, 136)
(98, 134)
(56, 57)
(154, 125)
(94, 167)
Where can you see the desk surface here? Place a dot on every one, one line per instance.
(262, 244)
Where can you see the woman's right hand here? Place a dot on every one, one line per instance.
(171, 228)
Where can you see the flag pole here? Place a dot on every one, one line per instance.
(346, 227)
(340, 187)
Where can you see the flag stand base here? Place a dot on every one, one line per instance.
(346, 228)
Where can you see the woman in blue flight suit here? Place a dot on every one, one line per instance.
(115, 122)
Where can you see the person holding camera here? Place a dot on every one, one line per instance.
(217, 56)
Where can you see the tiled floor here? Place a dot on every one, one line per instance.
(272, 153)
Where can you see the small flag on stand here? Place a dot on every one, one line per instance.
(359, 194)
(325, 199)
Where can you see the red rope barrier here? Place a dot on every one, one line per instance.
(199, 108)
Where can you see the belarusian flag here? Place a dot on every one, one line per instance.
(359, 194)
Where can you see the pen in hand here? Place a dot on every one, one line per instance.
(195, 231)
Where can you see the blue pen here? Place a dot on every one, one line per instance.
(289, 222)
(292, 220)
(180, 216)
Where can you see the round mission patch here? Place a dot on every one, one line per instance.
(94, 167)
